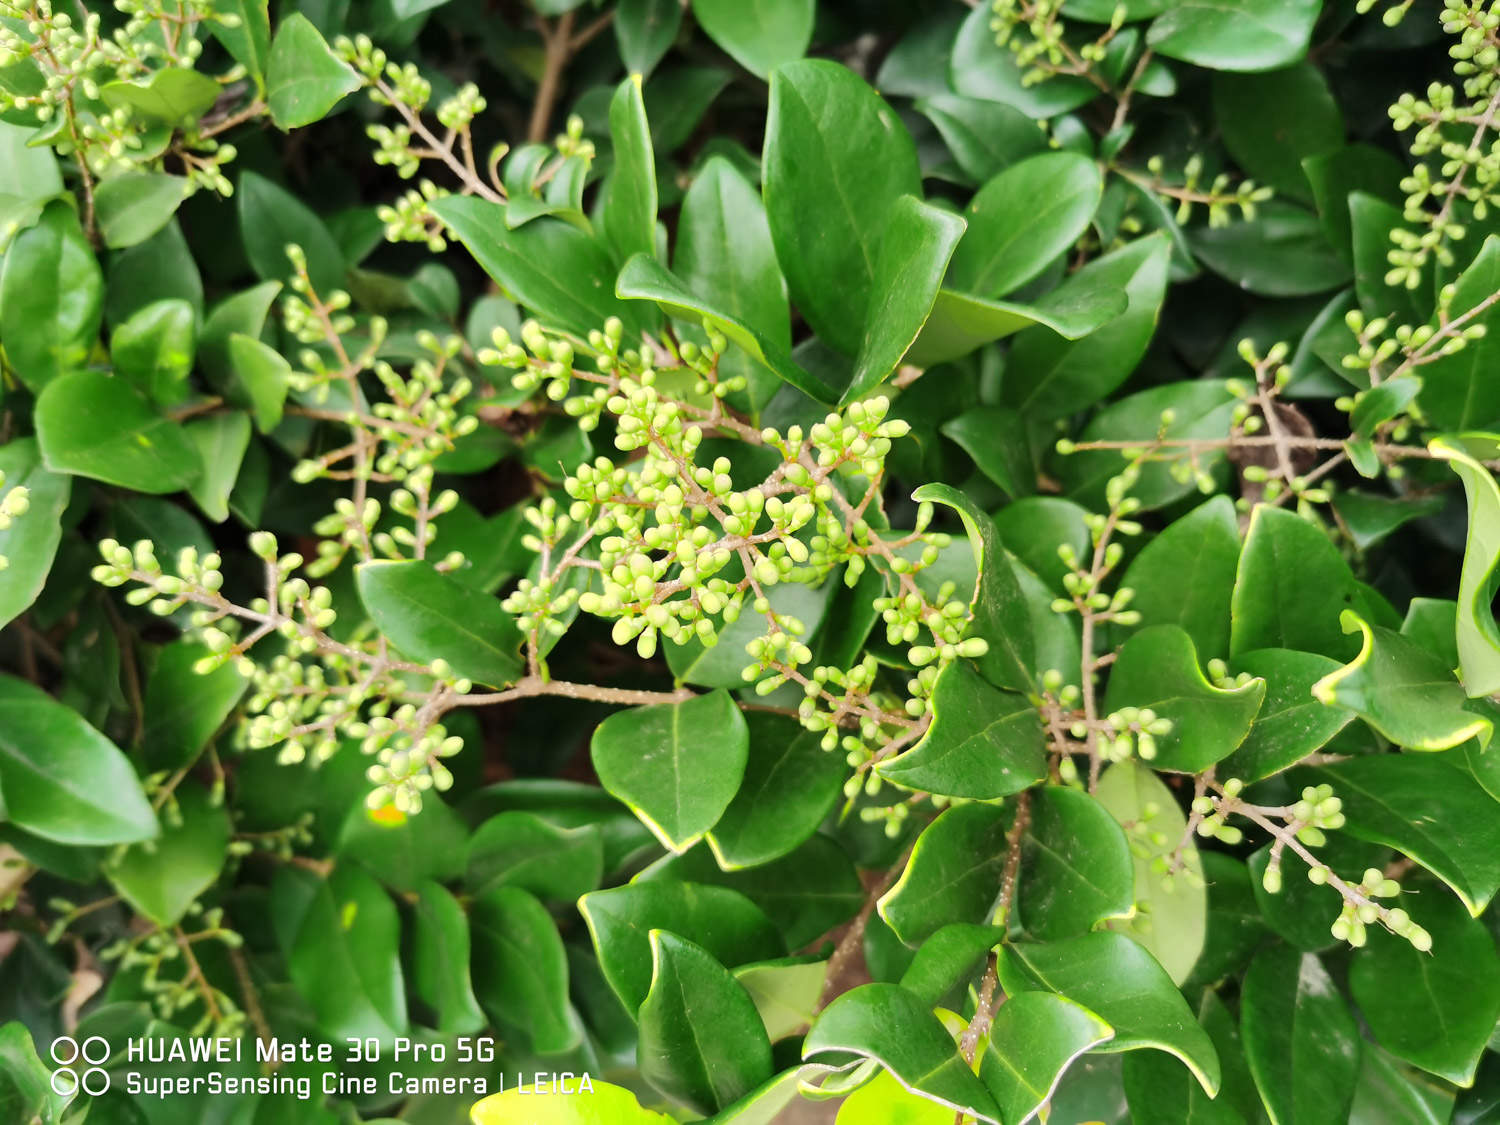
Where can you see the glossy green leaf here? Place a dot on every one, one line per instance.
(1023, 219)
(786, 992)
(837, 159)
(677, 765)
(1426, 809)
(1035, 1037)
(1273, 121)
(725, 923)
(644, 30)
(183, 709)
(996, 438)
(644, 279)
(430, 616)
(304, 78)
(999, 607)
(885, 1100)
(154, 350)
(133, 207)
(953, 874)
(221, 441)
(402, 852)
(249, 42)
(1243, 35)
(1445, 1010)
(1278, 603)
(61, 779)
(702, 1041)
(161, 879)
(1300, 1040)
(982, 742)
(51, 298)
(440, 961)
(914, 253)
(630, 208)
(1076, 867)
(604, 1105)
(1282, 252)
(271, 219)
(1057, 376)
(1235, 926)
(1456, 391)
(1371, 220)
(888, 1023)
(243, 313)
(1337, 174)
(263, 376)
(1033, 528)
(1170, 916)
(1292, 722)
(522, 850)
(521, 969)
(1161, 1093)
(950, 956)
(342, 941)
(175, 95)
(1401, 690)
(985, 137)
(1478, 634)
(29, 544)
(1123, 985)
(1158, 668)
(91, 425)
(724, 255)
(790, 785)
(1185, 574)
(760, 35)
(28, 179)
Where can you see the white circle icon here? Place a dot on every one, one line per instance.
(88, 1050)
(65, 1083)
(65, 1044)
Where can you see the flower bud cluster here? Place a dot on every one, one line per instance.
(13, 504)
(1035, 35)
(1222, 196)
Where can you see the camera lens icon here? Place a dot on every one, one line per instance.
(66, 1052)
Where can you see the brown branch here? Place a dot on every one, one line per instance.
(558, 47)
(990, 996)
(848, 955)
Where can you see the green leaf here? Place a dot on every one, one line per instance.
(154, 350)
(887, 1023)
(243, 313)
(163, 878)
(953, 874)
(29, 544)
(724, 254)
(263, 376)
(94, 426)
(604, 1105)
(1158, 668)
(1171, 913)
(1023, 219)
(271, 219)
(1401, 690)
(25, 1081)
(221, 440)
(997, 440)
(725, 923)
(999, 607)
(1300, 1040)
(630, 208)
(343, 951)
(565, 277)
(1444, 1013)
(984, 137)
(523, 850)
(1235, 926)
(304, 78)
(981, 67)
(1076, 868)
(1292, 722)
(1372, 220)
(1456, 391)
(1056, 375)
(1159, 1093)
(1185, 574)
(28, 176)
(1337, 174)
(51, 299)
(430, 616)
(521, 969)
(1123, 985)
(982, 743)
(1282, 252)
(677, 765)
(133, 207)
(402, 852)
(1425, 808)
(1272, 122)
(440, 961)
(1033, 528)
(1242, 35)
(702, 1042)
(1291, 586)
(176, 95)
(790, 785)
(1035, 1037)
(951, 955)
(914, 253)
(644, 30)
(883, 1099)
(183, 710)
(836, 160)
(960, 323)
(644, 279)
(1478, 634)
(760, 35)
(249, 42)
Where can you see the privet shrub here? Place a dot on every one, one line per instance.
(916, 562)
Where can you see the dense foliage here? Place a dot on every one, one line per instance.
(893, 560)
